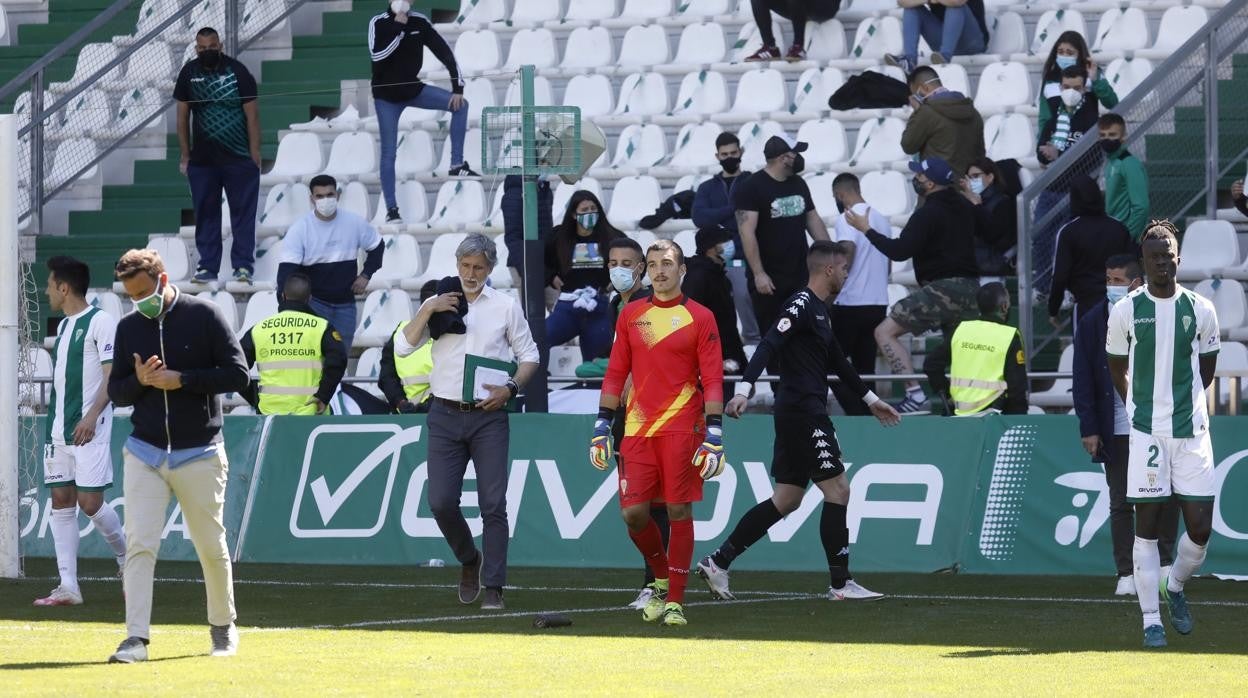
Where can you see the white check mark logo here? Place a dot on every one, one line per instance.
(329, 502)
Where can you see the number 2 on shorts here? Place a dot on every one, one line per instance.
(1153, 452)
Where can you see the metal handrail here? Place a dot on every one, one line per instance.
(78, 37)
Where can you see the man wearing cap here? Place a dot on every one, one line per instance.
(706, 281)
(940, 238)
(774, 212)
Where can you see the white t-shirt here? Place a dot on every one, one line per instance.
(311, 240)
(867, 283)
(84, 343)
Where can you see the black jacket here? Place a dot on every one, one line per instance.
(398, 53)
(998, 220)
(1092, 387)
(1083, 245)
(707, 283)
(1082, 121)
(940, 237)
(333, 356)
(198, 343)
(1014, 401)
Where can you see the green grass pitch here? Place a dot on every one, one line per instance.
(380, 631)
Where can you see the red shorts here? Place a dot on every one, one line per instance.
(659, 468)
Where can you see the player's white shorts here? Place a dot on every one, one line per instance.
(89, 467)
(1159, 466)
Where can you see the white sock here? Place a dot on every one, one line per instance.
(65, 537)
(109, 525)
(1147, 575)
(916, 393)
(1189, 559)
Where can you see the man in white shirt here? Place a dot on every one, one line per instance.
(325, 245)
(493, 327)
(862, 303)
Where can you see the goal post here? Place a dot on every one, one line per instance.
(11, 303)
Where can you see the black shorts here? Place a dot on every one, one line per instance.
(806, 450)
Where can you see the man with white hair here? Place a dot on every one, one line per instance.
(468, 322)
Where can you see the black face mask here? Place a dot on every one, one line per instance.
(799, 163)
(731, 165)
(840, 207)
(918, 186)
(1110, 145)
(210, 58)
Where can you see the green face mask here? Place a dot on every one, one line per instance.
(152, 306)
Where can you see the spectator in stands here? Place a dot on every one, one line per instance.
(576, 267)
(944, 123)
(513, 222)
(1073, 112)
(1237, 197)
(985, 360)
(1126, 182)
(1104, 427)
(774, 212)
(796, 11)
(985, 188)
(325, 244)
(405, 381)
(707, 283)
(397, 41)
(1071, 50)
(493, 327)
(712, 206)
(950, 27)
(862, 303)
(220, 153)
(1083, 245)
(940, 238)
(299, 354)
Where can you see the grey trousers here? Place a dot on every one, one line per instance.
(1122, 514)
(745, 308)
(454, 438)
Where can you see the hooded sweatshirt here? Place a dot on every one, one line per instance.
(946, 126)
(1083, 245)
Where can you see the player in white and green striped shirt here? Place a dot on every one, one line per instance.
(1163, 343)
(78, 461)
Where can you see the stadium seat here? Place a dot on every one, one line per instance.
(1051, 25)
(91, 59)
(269, 253)
(702, 8)
(953, 77)
(875, 37)
(479, 93)
(753, 135)
(643, 47)
(153, 13)
(810, 97)
(495, 218)
(689, 182)
(477, 12)
(354, 198)
(209, 13)
(414, 156)
(879, 142)
(135, 107)
(640, 147)
(459, 203)
(748, 41)
(593, 10)
(500, 275)
(472, 150)
(285, 204)
(1230, 303)
(534, 47)
(259, 15)
(632, 198)
(85, 114)
(224, 301)
(352, 155)
(687, 240)
(1007, 34)
(383, 311)
(259, 306)
(759, 92)
(1208, 247)
(107, 301)
(645, 238)
(1121, 29)
(820, 184)
(700, 44)
(1059, 395)
(1178, 24)
(1125, 73)
(32, 393)
(592, 93)
(298, 156)
(412, 201)
(695, 146)
(441, 261)
(1232, 357)
(151, 64)
(704, 93)
(1010, 136)
(173, 251)
(400, 261)
(70, 157)
(638, 11)
(825, 41)
(542, 94)
(888, 192)
(563, 194)
(642, 94)
(369, 366)
(1002, 86)
(477, 51)
(531, 12)
(587, 48)
(563, 362)
(826, 138)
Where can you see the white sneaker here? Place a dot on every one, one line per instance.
(224, 640)
(643, 597)
(130, 650)
(61, 596)
(1126, 586)
(851, 591)
(716, 578)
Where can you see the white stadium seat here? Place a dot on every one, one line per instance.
(1121, 29)
(85, 114)
(579, 10)
(479, 93)
(383, 311)
(875, 37)
(1208, 247)
(400, 261)
(224, 301)
(1003, 85)
(285, 204)
(953, 77)
(1051, 25)
(643, 10)
(151, 64)
(826, 140)
(825, 41)
(592, 93)
(888, 192)
(587, 48)
(500, 276)
(354, 198)
(820, 184)
(412, 201)
(109, 302)
(173, 251)
(415, 154)
(760, 92)
(530, 12)
(298, 155)
(879, 142)
(542, 94)
(459, 203)
(695, 146)
(701, 44)
(1178, 24)
(640, 147)
(687, 241)
(472, 149)
(752, 136)
(1010, 136)
(135, 107)
(260, 305)
(1059, 395)
(534, 47)
(153, 13)
(473, 12)
(268, 259)
(91, 59)
(748, 41)
(1230, 304)
(632, 198)
(1125, 73)
(441, 260)
(642, 94)
(1232, 357)
(814, 88)
(477, 52)
(704, 93)
(352, 155)
(1007, 34)
(643, 47)
(563, 194)
(369, 366)
(702, 8)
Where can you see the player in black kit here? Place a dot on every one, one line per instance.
(805, 448)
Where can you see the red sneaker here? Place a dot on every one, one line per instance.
(766, 53)
(796, 53)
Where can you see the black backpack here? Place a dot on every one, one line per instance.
(870, 90)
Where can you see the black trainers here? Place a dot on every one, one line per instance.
(493, 600)
(224, 640)
(463, 171)
(470, 581)
(392, 215)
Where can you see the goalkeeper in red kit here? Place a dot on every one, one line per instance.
(670, 346)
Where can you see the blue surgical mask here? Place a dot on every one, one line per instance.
(728, 251)
(587, 220)
(1064, 62)
(622, 278)
(977, 185)
(1116, 293)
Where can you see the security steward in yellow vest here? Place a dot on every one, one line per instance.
(405, 379)
(300, 356)
(987, 367)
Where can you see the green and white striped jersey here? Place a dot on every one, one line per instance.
(84, 343)
(1163, 339)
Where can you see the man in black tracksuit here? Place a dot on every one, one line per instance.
(1083, 245)
(706, 282)
(174, 355)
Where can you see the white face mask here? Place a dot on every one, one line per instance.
(622, 279)
(400, 7)
(327, 207)
(1116, 293)
(1071, 97)
(977, 185)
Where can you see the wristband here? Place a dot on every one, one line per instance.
(744, 389)
(606, 413)
(870, 398)
(715, 420)
(513, 387)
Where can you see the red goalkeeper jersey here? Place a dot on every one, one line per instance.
(672, 350)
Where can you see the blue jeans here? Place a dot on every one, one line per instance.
(240, 180)
(593, 327)
(957, 35)
(340, 315)
(388, 113)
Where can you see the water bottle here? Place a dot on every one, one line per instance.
(434, 562)
(551, 620)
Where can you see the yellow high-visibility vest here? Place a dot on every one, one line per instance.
(979, 350)
(414, 369)
(288, 356)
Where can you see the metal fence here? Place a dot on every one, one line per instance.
(1169, 128)
(118, 89)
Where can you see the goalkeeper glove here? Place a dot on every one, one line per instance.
(600, 444)
(709, 458)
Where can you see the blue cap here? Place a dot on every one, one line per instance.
(934, 169)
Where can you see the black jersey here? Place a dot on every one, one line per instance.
(802, 338)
